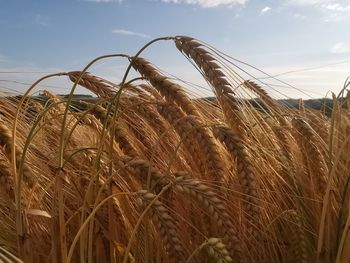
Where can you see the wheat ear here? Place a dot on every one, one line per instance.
(246, 176)
(97, 85)
(213, 73)
(309, 143)
(263, 95)
(171, 91)
(214, 206)
(6, 141)
(196, 136)
(166, 226)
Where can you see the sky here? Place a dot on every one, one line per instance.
(305, 42)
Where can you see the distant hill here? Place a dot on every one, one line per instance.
(324, 104)
(316, 104)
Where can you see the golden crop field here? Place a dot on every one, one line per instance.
(146, 172)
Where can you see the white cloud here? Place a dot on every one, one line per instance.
(299, 16)
(331, 10)
(307, 2)
(130, 33)
(208, 3)
(337, 7)
(3, 58)
(264, 10)
(334, 17)
(340, 48)
(332, 5)
(104, 1)
(40, 20)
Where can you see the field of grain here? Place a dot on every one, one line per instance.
(147, 173)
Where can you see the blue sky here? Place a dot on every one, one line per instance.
(276, 36)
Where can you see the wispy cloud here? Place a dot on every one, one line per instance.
(208, 3)
(299, 16)
(307, 2)
(333, 5)
(130, 33)
(340, 48)
(332, 10)
(104, 1)
(3, 58)
(40, 20)
(265, 10)
(337, 7)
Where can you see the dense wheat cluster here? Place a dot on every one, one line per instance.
(146, 172)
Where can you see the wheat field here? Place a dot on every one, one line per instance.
(148, 172)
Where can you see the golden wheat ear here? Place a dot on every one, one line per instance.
(101, 87)
(172, 92)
